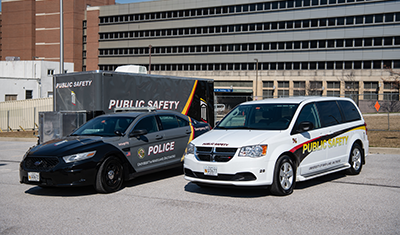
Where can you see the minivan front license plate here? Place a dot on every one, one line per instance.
(33, 176)
(211, 170)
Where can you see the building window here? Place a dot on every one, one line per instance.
(333, 85)
(268, 93)
(50, 72)
(28, 94)
(333, 93)
(10, 97)
(370, 85)
(391, 96)
(370, 95)
(283, 84)
(283, 93)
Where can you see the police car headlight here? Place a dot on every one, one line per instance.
(79, 157)
(190, 149)
(253, 151)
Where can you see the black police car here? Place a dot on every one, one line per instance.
(112, 148)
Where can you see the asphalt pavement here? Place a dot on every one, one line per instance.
(165, 203)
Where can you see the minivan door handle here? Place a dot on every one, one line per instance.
(188, 131)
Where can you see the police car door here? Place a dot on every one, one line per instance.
(176, 131)
(309, 149)
(144, 148)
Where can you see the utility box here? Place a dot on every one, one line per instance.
(54, 125)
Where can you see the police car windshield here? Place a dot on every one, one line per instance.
(259, 117)
(104, 126)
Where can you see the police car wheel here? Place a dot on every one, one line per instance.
(284, 177)
(355, 160)
(110, 176)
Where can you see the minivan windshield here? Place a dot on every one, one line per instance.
(104, 126)
(259, 117)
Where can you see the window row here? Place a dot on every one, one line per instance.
(211, 11)
(367, 95)
(246, 47)
(330, 65)
(254, 27)
(318, 85)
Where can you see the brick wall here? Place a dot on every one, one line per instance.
(31, 29)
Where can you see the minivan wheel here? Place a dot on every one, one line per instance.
(110, 176)
(284, 177)
(355, 160)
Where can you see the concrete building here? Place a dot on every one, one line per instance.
(252, 49)
(31, 29)
(256, 48)
(21, 80)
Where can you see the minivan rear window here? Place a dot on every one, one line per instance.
(350, 111)
(329, 113)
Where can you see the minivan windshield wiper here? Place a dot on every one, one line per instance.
(233, 127)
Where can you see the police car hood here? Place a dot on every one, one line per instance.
(68, 145)
(234, 138)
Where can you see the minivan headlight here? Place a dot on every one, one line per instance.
(253, 151)
(78, 156)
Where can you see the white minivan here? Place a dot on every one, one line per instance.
(276, 142)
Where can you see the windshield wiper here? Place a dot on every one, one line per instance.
(233, 128)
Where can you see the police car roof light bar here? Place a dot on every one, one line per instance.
(136, 109)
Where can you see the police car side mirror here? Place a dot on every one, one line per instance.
(118, 133)
(305, 126)
(136, 133)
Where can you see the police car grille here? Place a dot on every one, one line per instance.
(215, 154)
(40, 163)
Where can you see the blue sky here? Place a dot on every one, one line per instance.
(117, 1)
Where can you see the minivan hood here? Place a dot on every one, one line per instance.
(234, 138)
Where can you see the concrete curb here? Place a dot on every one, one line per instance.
(18, 139)
(379, 150)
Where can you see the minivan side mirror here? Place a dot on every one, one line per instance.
(305, 126)
(136, 133)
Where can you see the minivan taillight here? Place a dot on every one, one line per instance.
(366, 129)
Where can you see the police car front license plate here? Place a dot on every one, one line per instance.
(33, 176)
(211, 170)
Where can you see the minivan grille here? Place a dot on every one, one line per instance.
(210, 154)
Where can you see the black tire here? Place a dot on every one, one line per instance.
(284, 177)
(109, 178)
(356, 160)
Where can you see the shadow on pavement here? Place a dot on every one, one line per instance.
(90, 190)
(254, 192)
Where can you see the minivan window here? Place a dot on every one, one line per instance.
(329, 113)
(309, 114)
(259, 117)
(350, 111)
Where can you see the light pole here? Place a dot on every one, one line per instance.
(256, 79)
(61, 38)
